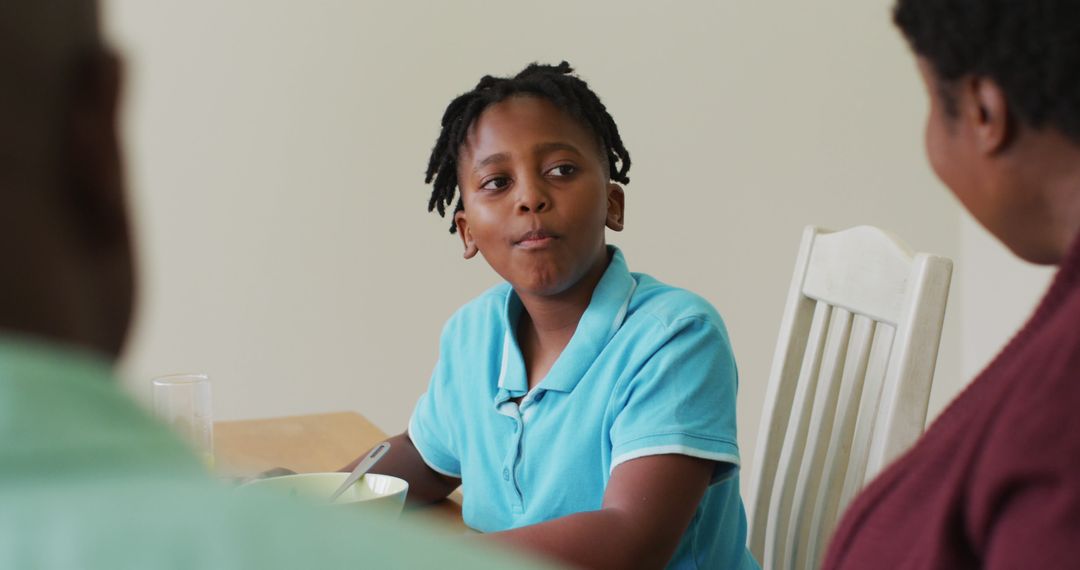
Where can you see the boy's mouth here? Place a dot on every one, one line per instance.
(535, 238)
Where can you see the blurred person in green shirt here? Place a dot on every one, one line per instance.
(87, 480)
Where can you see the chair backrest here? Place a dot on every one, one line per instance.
(849, 384)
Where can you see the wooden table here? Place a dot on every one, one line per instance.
(321, 442)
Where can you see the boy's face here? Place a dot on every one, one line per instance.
(537, 196)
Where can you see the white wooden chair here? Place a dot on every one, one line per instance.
(849, 385)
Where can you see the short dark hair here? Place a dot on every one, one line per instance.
(557, 84)
(1030, 48)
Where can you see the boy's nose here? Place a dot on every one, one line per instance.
(536, 206)
(533, 197)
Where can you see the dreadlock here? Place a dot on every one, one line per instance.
(552, 82)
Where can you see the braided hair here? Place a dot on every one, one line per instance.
(557, 84)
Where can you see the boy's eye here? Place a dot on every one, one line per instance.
(495, 183)
(563, 170)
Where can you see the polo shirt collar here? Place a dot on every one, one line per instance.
(601, 320)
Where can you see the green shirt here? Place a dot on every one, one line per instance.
(88, 480)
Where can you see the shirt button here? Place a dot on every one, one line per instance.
(506, 474)
(515, 427)
(539, 396)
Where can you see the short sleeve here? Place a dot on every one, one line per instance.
(429, 427)
(682, 400)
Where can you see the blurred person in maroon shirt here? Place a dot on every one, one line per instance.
(995, 481)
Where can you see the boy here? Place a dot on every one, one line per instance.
(994, 482)
(588, 412)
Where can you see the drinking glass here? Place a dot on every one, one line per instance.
(183, 402)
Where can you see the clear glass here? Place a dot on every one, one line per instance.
(183, 402)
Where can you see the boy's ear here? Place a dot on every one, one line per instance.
(616, 206)
(462, 224)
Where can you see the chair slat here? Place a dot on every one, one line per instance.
(878, 363)
(826, 503)
(794, 440)
(817, 437)
(779, 395)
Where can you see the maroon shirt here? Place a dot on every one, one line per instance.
(995, 481)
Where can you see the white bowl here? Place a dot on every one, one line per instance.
(372, 490)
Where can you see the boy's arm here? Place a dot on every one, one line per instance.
(403, 460)
(648, 505)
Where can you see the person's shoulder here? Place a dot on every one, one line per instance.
(671, 305)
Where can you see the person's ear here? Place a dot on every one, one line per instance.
(462, 224)
(95, 187)
(987, 112)
(616, 207)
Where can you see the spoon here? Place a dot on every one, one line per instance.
(361, 468)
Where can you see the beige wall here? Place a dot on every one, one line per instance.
(277, 148)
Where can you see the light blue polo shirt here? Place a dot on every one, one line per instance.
(649, 371)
